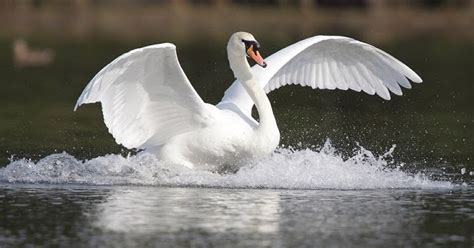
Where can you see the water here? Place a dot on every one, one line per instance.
(352, 170)
(124, 216)
(293, 198)
(286, 168)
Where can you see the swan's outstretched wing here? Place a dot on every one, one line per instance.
(146, 97)
(327, 62)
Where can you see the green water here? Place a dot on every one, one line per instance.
(431, 124)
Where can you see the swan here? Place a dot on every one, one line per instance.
(148, 102)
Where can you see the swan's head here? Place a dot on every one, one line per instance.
(244, 44)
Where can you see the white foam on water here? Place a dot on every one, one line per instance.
(285, 168)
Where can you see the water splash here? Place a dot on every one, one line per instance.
(285, 168)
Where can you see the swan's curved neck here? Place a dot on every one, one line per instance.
(241, 69)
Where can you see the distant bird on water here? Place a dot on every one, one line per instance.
(24, 56)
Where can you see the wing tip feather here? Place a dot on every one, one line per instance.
(412, 75)
(384, 96)
(417, 79)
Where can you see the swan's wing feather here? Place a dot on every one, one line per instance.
(146, 97)
(327, 62)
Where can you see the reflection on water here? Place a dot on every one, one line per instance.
(149, 216)
(149, 210)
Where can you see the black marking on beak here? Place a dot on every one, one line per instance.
(255, 45)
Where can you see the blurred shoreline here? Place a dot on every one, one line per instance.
(377, 21)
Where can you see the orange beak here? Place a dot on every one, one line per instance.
(255, 55)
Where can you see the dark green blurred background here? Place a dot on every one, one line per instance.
(432, 124)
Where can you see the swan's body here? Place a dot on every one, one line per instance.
(148, 103)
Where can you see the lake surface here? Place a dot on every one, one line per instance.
(124, 216)
(352, 169)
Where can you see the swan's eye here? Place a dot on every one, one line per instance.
(251, 43)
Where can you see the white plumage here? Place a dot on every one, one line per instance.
(146, 97)
(149, 103)
(328, 62)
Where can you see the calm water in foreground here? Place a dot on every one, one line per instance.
(125, 216)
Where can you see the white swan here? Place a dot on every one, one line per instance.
(148, 102)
